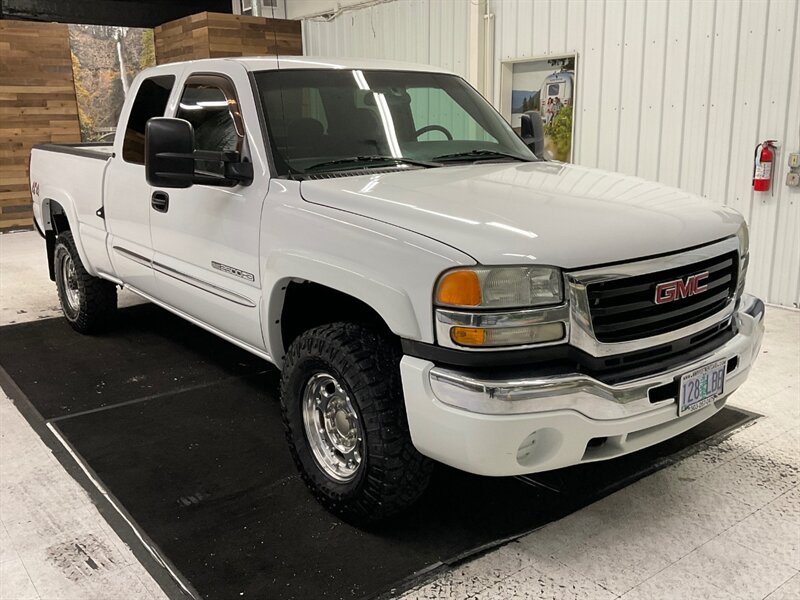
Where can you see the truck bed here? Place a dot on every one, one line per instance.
(73, 174)
(99, 150)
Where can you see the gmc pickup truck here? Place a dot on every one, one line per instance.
(429, 287)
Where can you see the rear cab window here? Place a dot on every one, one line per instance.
(151, 101)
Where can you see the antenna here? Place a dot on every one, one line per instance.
(275, 31)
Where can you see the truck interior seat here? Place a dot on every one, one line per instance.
(367, 134)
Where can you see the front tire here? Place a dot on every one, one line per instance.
(345, 421)
(88, 303)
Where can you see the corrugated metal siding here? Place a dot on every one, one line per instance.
(424, 31)
(680, 92)
(674, 91)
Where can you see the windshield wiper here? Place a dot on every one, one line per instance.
(478, 154)
(370, 159)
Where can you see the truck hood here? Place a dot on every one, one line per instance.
(522, 213)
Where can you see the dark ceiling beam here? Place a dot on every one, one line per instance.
(125, 13)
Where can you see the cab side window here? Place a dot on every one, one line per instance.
(151, 101)
(209, 103)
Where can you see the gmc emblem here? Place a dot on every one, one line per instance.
(669, 291)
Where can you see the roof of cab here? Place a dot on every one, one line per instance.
(261, 63)
(270, 63)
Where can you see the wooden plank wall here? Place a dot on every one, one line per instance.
(37, 92)
(37, 104)
(182, 39)
(215, 35)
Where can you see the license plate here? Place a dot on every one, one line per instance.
(701, 387)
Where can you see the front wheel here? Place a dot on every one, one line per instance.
(88, 303)
(345, 421)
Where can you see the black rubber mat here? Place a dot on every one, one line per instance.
(150, 352)
(184, 430)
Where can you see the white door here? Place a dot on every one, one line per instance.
(127, 195)
(206, 238)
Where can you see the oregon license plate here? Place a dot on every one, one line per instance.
(701, 387)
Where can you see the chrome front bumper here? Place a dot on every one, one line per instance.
(490, 426)
(588, 396)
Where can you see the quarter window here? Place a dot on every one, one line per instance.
(151, 101)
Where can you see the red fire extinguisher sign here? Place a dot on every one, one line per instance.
(762, 168)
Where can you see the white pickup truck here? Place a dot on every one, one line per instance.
(430, 289)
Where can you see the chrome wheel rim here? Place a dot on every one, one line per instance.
(333, 428)
(69, 279)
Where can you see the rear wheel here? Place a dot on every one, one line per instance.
(88, 303)
(345, 422)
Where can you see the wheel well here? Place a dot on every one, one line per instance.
(307, 305)
(59, 223)
(58, 217)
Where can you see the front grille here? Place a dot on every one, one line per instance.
(624, 309)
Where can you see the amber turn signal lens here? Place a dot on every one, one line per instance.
(508, 336)
(459, 288)
(468, 336)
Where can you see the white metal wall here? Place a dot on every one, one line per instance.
(676, 91)
(423, 31)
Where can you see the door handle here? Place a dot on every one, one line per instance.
(160, 201)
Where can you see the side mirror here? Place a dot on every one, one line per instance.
(169, 153)
(532, 132)
(170, 160)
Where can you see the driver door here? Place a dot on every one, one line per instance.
(206, 238)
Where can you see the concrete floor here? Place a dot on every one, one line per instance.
(54, 543)
(724, 523)
(26, 292)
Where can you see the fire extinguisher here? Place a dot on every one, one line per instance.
(762, 168)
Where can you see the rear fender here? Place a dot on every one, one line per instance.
(51, 196)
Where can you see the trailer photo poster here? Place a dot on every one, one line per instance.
(105, 60)
(546, 86)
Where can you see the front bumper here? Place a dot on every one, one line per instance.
(512, 427)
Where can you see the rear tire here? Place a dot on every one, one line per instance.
(345, 421)
(88, 303)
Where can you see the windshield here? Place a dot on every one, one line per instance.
(322, 120)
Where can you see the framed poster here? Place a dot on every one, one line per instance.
(105, 60)
(546, 85)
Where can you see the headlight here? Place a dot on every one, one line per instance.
(499, 287)
(744, 239)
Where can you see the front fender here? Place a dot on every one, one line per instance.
(392, 270)
(392, 303)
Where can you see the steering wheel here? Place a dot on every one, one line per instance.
(428, 128)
